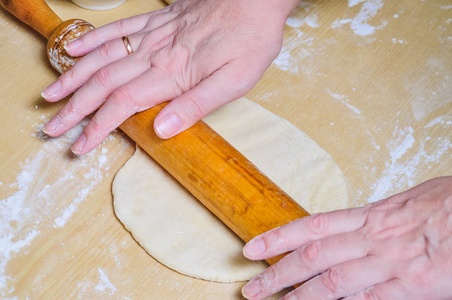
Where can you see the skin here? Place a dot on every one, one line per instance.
(205, 53)
(397, 248)
(201, 53)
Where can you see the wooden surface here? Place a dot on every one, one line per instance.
(203, 162)
(379, 103)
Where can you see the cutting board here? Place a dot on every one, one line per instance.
(370, 82)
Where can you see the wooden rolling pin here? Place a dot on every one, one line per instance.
(217, 174)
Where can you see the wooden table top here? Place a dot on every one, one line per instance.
(369, 81)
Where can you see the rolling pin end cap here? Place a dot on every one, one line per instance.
(67, 32)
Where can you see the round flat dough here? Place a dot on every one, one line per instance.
(178, 231)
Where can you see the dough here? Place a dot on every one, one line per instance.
(178, 231)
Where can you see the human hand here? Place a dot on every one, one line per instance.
(201, 53)
(397, 248)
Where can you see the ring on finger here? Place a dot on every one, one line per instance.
(126, 41)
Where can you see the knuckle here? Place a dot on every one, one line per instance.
(95, 126)
(243, 83)
(309, 255)
(103, 77)
(121, 25)
(106, 50)
(333, 279)
(420, 280)
(448, 203)
(421, 273)
(274, 237)
(367, 295)
(71, 108)
(121, 94)
(269, 278)
(124, 99)
(194, 109)
(91, 36)
(317, 224)
(69, 77)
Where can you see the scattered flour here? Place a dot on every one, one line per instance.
(360, 22)
(407, 158)
(294, 22)
(443, 120)
(293, 54)
(395, 41)
(339, 23)
(104, 283)
(369, 9)
(69, 211)
(400, 143)
(311, 20)
(352, 3)
(303, 15)
(431, 89)
(284, 61)
(40, 193)
(300, 54)
(344, 100)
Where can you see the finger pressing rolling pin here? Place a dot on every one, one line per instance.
(217, 174)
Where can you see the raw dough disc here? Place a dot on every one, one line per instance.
(182, 234)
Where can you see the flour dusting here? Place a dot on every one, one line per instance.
(443, 121)
(104, 283)
(431, 88)
(369, 9)
(297, 50)
(69, 211)
(400, 143)
(344, 100)
(360, 22)
(303, 15)
(407, 157)
(41, 192)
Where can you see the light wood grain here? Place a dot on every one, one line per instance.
(359, 97)
(210, 168)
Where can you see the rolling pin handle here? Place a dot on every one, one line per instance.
(35, 13)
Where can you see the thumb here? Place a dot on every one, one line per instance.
(223, 86)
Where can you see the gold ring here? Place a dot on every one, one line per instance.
(125, 40)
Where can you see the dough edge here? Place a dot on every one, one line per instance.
(220, 120)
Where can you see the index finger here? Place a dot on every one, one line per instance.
(93, 39)
(302, 231)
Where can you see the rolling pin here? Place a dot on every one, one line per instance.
(217, 174)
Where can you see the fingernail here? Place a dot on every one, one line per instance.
(254, 248)
(251, 289)
(168, 125)
(51, 90)
(52, 126)
(73, 45)
(77, 148)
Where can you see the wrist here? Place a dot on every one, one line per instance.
(272, 11)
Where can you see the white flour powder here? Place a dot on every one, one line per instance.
(42, 191)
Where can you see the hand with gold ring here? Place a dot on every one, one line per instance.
(200, 54)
